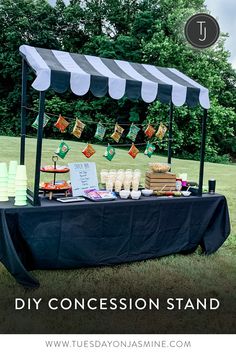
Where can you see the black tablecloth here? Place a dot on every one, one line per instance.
(56, 235)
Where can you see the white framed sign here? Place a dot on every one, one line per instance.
(83, 175)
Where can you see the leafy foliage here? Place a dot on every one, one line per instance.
(134, 30)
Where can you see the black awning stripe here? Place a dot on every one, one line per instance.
(84, 64)
(174, 77)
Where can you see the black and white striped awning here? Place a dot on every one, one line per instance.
(61, 70)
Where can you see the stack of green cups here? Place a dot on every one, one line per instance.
(12, 178)
(21, 186)
(3, 182)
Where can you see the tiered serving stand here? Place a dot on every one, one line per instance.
(53, 188)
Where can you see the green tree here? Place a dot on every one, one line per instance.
(148, 31)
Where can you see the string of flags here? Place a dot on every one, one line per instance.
(63, 148)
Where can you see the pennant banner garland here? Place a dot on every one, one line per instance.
(61, 124)
(46, 119)
(109, 153)
(100, 131)
(117, 133)
(133, 132)
(62, 150)
(78, 128)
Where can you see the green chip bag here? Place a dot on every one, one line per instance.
(100, 132)
(150, 148)
(133, 132)
(62, 150)
(109, 153)
(45, 121)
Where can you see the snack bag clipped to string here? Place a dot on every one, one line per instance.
(133, 132)
(149, 131)
(61, 124)
(100, 131)
(46, 119)
(161, 131)
(150, 148)
(62, 150)
(78, 128)
(117, 133)
(133, 151)
(109, 153)
(88, 151)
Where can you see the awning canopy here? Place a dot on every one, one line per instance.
(62, 70)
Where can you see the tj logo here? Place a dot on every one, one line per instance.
(202, 31)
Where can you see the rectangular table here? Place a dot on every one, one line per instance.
(59, 236)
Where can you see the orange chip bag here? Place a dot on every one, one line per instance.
(88, 151)
(133, 151)
(150, 131)
(61, 124)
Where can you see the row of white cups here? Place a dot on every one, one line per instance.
(13, 183)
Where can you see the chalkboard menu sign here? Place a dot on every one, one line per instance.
(83, 175)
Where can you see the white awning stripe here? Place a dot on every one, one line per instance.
(43, 72)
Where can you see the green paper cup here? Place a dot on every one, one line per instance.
(3, 170)
(12, 167)
(21, 193)
(20, 199)
(20, 203)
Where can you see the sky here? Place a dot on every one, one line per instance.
(225, 12)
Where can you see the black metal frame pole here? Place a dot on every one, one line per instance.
(36, 200)
(23, 110)
(202, 155)
(170, 133)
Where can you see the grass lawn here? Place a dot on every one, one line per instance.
(173, 276)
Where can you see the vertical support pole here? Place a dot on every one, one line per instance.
(23, 111)
(202, 155)
(36, 200)
(170, 133)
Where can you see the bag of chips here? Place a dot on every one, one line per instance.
(61, 124)
(88, 151)
(117, 133)
(100, 131)
(161, 131)
(133, 151)
(133, 132)
(46, 119)
(149, 131)
(78, 128)
(150, 148)
(62, 150)
(109, 153)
